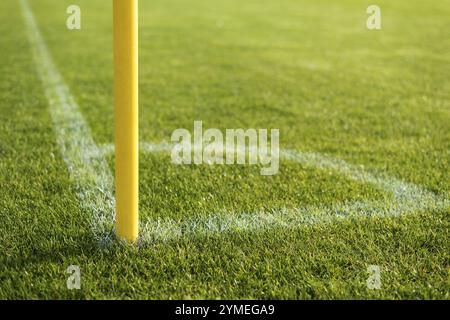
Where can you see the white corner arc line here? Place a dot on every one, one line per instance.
(407, 198)
(93, 179)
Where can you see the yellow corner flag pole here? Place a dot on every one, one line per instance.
(126, 117)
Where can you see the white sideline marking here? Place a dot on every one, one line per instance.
(93, 179)
(407, 198)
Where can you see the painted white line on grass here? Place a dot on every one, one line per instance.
(92, 177)
(407, 198)
(94, 180)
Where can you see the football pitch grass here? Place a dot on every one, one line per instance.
(364, 134)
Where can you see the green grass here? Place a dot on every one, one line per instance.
(379, 99)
